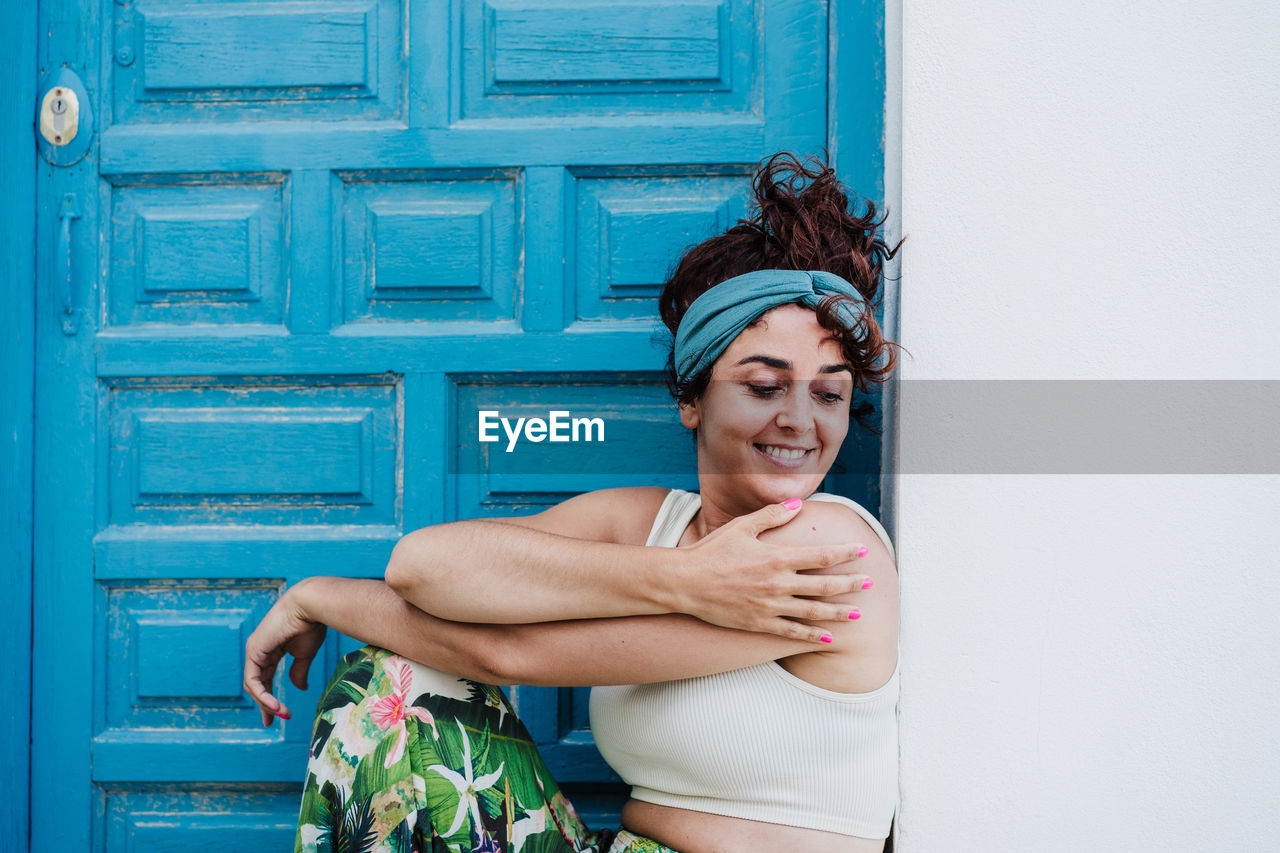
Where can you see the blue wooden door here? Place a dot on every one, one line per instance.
(306, 243)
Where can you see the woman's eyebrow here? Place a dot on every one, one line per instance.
(783, 364)
(768, 361)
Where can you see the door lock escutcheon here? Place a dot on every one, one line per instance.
(63, 118)
(59, 115)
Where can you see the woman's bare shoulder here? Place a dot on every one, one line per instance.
(834, 520)
(824, 522)
(864, 652)
(623, 515)
(633, 509)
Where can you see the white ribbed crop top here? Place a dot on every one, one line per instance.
(756, 743)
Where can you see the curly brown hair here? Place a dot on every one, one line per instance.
(801, 221)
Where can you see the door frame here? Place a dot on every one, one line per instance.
(18, 42)
(864, 44)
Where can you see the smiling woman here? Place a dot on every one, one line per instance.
(777, 404)
(742, 640)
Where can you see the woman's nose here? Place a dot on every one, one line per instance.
(796, 413)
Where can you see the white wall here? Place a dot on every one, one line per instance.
(1091, 190)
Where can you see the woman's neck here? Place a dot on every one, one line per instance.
(711, 515)
(717, 509)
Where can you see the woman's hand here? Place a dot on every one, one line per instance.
(734, 580)
(284, 630)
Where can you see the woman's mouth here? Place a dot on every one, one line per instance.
(787, 457)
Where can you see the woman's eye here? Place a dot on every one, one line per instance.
(764, 390)
(830, 397)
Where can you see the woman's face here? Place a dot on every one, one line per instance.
(775, 411)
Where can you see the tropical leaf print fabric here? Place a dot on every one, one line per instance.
(406, 759)
(629, 842)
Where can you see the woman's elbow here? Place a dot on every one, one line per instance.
(494, 659)
(408, 572)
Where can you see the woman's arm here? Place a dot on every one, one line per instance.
(625, 650)
(367, 610)
(619, 650)
(565, 563)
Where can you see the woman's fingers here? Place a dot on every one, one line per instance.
(298, 671)
(259, 674)
(797, 631)
(257, 683)
(771, 515)
(825, 586)
(281, 631)
(822, 556)
(818, 611)
(742, 582)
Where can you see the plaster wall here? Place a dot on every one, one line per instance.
(1090, 191)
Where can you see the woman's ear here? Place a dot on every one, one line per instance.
(689, 415)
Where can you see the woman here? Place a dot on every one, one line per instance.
(742, 639)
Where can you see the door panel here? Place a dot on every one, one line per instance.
(312, 241)
(190, 251)
(229, 62)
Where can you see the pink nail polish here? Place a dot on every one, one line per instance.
(794, 503)
(868, 583)
(862, 552)
(826, 638)
(285, 717)
(855, 613)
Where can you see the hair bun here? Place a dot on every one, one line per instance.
(802, 213)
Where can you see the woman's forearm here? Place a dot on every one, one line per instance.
(626, 650)
(373, 613)
(737, 576)
(487, 571)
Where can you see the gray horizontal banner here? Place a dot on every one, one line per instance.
(1089, 427)
(943, 427)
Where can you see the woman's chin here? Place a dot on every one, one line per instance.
(767, 487)
(784, 487)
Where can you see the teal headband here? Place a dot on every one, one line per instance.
(720, 314)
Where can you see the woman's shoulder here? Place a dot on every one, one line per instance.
(864, 654)
(868, 519)
(829, 522)
(627, 511)
(603, 515)
(836, 520)
(635, 508)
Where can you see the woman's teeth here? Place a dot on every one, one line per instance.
(782, 452)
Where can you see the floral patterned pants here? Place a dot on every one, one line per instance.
(406, 759)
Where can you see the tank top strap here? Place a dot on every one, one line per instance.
(677, 510)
